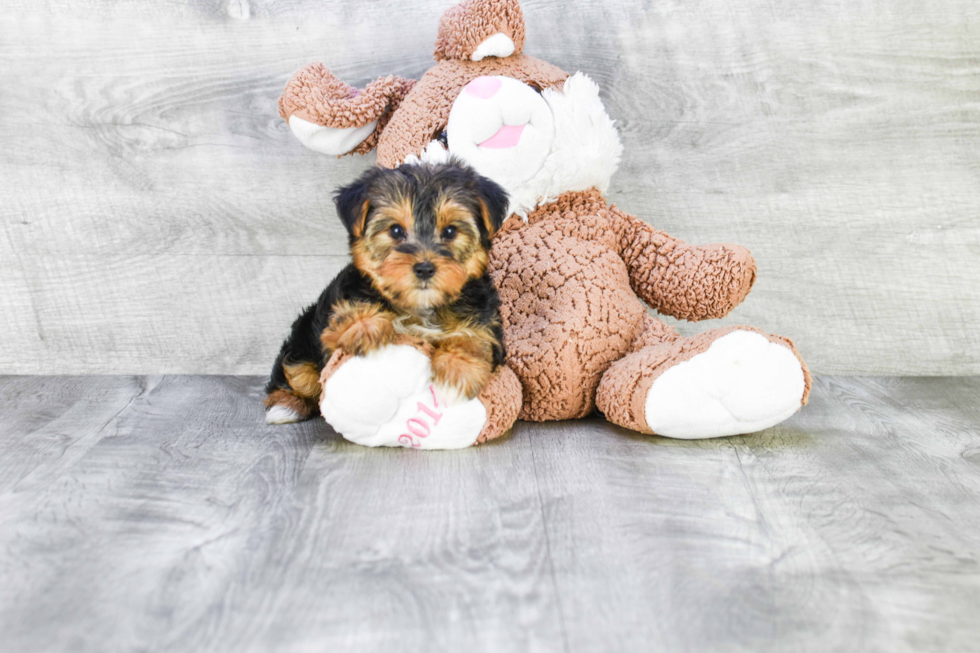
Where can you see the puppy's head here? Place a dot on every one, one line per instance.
(420, 232)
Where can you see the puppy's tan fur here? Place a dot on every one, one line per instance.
(358, 328)
(419, 239)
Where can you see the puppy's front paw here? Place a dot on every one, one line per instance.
(461, 369)
(358, 328)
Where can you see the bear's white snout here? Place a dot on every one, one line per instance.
(503, 128)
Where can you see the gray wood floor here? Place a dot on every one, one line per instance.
(161, 514)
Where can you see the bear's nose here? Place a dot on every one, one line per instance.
(484, 87)
(424, 270)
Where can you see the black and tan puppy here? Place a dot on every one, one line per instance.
(419, 238)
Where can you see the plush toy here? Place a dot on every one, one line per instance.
(573, 271)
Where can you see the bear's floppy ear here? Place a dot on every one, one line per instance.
(494, 202)
(331, 117)
(353, 203)
(475, 29)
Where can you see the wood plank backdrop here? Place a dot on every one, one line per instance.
(157, 216)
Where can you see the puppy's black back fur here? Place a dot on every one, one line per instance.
(303, 343)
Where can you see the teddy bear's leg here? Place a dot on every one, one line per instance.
(726, 381)
(387, 398)
(502, 400)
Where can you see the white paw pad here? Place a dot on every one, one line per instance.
(387, 399)
(743, 383)
(281, 415)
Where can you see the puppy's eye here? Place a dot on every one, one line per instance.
(444, 139)
(397, 232)
(449, 233)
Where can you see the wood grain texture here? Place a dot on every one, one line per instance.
(162, 514)
(158, 217)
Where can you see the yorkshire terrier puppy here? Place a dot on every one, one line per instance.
(419, 238)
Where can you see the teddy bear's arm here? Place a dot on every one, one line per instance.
(689, 282)
(330, 116)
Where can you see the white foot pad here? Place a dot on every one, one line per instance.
(387, 399)
(742, 384)
(281, 415)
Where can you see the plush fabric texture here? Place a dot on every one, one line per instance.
(425, 112)
(387, 399)
(316, 95)
(575, 274)
(505, 134)
(653, 332)
(336, 141)
(465, 26)
(589, 264)
(502, 400)
(498, 45)
(622, 394)
(742, 383)
(568, 144)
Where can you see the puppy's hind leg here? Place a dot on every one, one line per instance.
(285, 407)
(296, 401)
(293, 391)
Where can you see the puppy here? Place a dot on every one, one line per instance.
(419, 238)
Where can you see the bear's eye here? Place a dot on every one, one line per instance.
(449, 233)
(444, 139)
(397, 232)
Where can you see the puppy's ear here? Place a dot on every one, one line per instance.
(353, 204)
(494, 204)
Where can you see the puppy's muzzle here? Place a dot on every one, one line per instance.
(424, 270)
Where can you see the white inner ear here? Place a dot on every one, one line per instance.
(498, 45)
(329, 140)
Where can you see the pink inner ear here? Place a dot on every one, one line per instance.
(484, 87)
(506, 136)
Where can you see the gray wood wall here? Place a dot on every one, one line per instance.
(157, 216)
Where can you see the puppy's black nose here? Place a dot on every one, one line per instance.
(424, 270)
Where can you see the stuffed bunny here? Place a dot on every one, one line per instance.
(573, 271)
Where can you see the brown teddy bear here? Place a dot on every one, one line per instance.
(572, 270)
